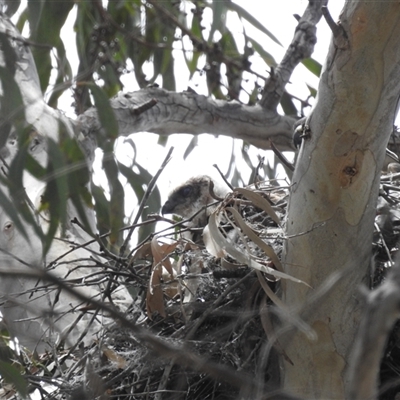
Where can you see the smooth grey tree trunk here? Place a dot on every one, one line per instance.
(334, 194)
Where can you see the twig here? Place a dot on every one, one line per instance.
(281, 157)
(331, 23)
(384, 244)
(390, 177)
(339, 34)
(143, 202)
(28, 42)
(223, 177)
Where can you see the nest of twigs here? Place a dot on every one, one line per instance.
(208, 301)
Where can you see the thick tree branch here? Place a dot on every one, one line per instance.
(189, 112)
(302, 47)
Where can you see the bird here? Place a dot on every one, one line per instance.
(195, 200)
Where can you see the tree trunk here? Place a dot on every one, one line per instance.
(335, 188)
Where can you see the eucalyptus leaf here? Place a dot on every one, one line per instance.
(105, 112)
(12, 375)
(247, 16)
(218, 22)
(192, 145)
(312, 65)
(267, 57)
(45, 33)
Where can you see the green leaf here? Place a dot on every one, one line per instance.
(136, 181)
(191, 62)
(287, 104)
(22, 20)
(105, 111)
(54, 199)
(193, 143)
(162, 140)
(17, 190)
(12, 375)
(64, 72)
(218, 22)
(167, 71)
(12, 109)
(102, 208)
(34, 168)
(228, 45)
(312, 65)
(247, 16)
(12, 7)
(313, 91)
(267, 57)
(117, 196)
(46, 18)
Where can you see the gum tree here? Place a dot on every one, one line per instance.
(47, 158)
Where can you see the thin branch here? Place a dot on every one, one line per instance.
(331, 23)
(302, 47)
(223, 177)
(143, 202)
(281, 157)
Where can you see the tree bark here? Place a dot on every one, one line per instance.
(159, 111)
(334, 193)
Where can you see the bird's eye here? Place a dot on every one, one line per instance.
(186, 191)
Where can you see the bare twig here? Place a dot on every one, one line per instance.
(223, 177)
(143, 202)
(331, 23)
(281, 157)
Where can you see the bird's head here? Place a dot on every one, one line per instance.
(189, 198)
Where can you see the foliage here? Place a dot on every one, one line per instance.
(126, 38)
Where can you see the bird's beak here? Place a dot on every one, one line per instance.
(167, 208)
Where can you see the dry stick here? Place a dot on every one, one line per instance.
(223, 177)
(155, 343)
(143, 202)
(281, 157)
(83, 245)
(390, 177)
(336, 30)
(97, 239)
(384, 244)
